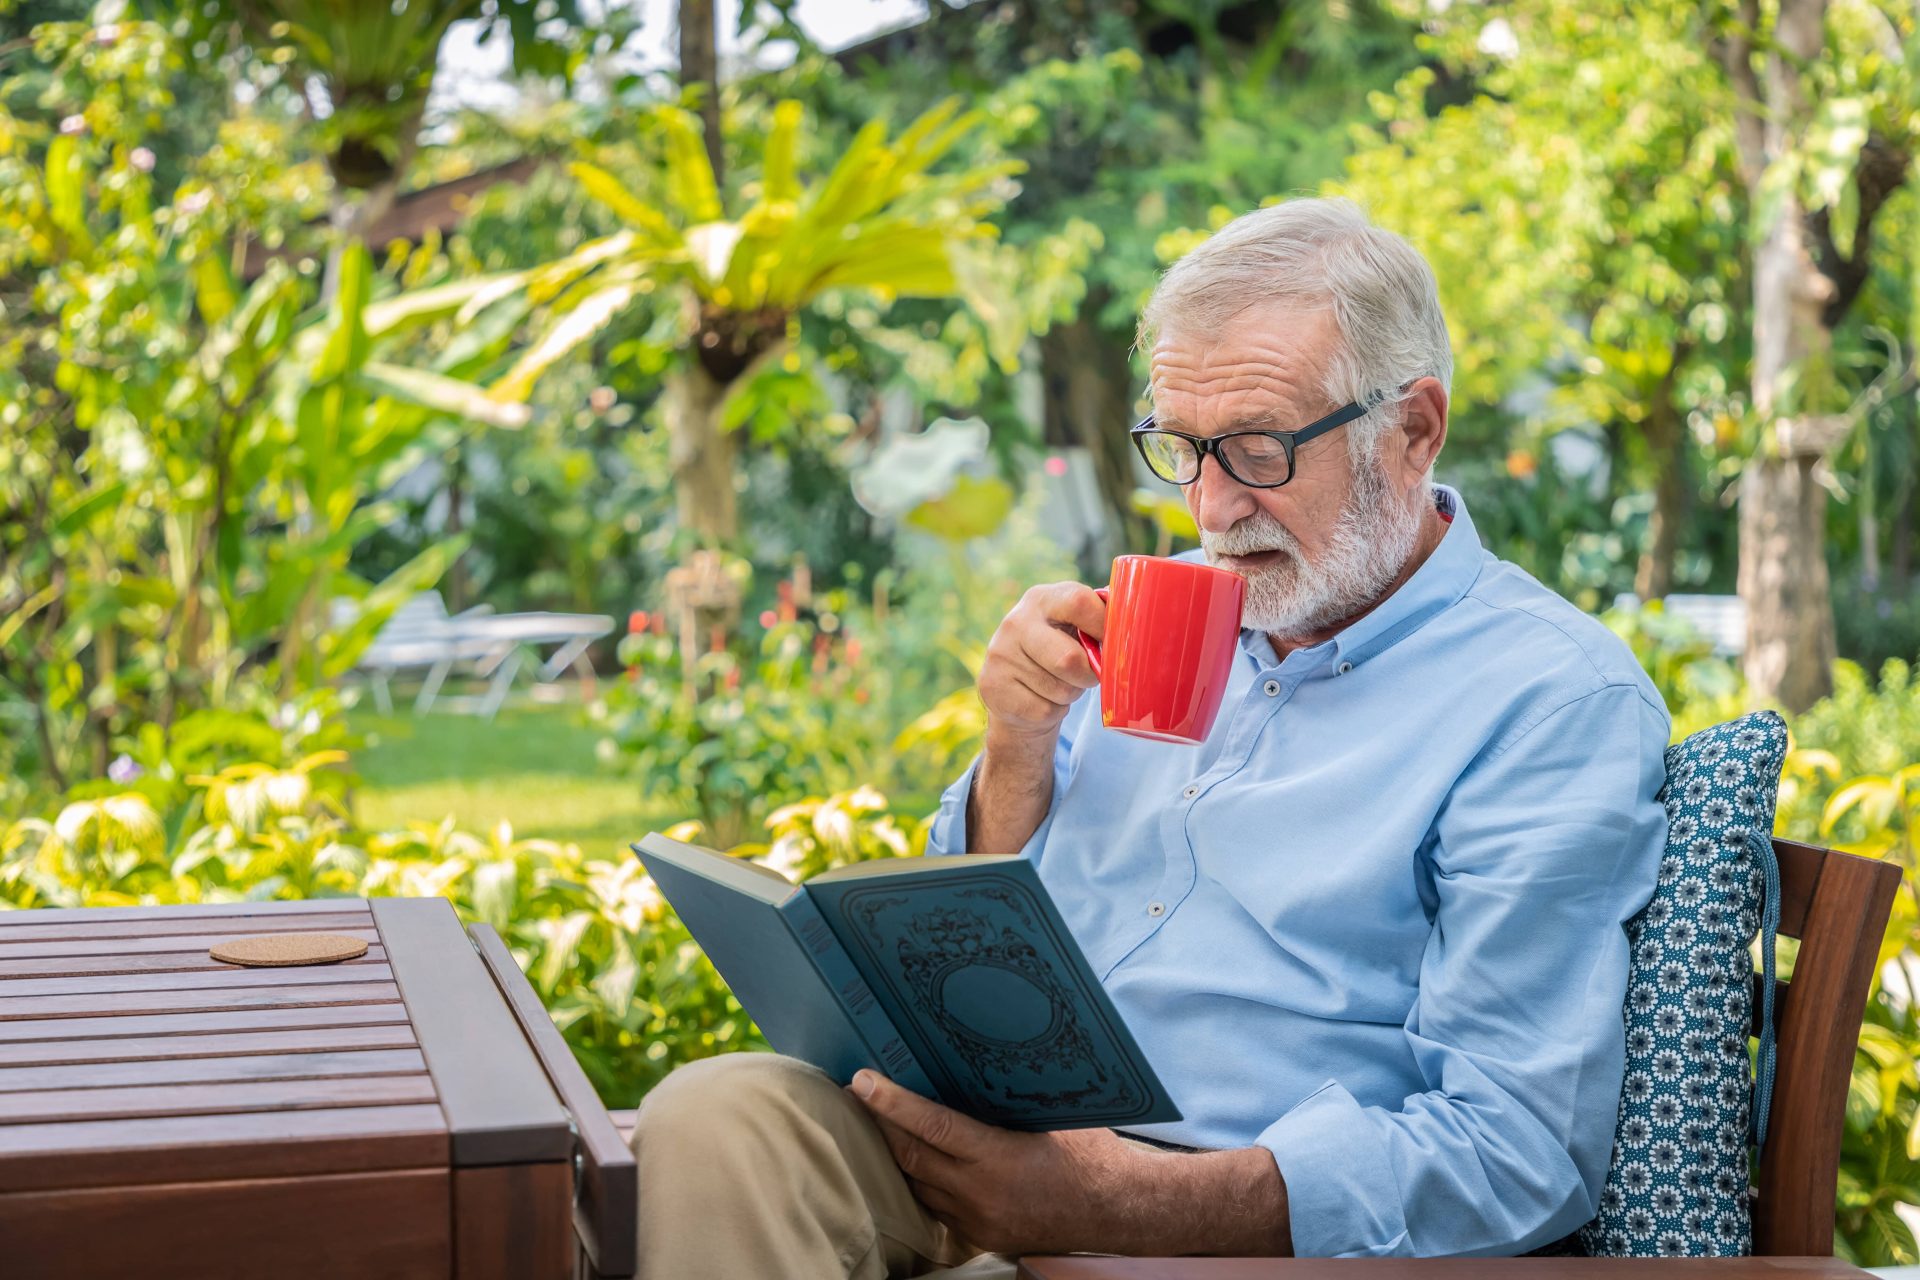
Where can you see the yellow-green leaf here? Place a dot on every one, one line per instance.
(690, 185)
(779, 181)
(213, 288)
(67, 190)
(574, 328)
(1873, 796)
(634, 211)
(973, 509)
(447, 395)
(346, 348)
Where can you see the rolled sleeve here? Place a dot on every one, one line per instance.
(1336, 1169)
(948, 835)
(1545, 848)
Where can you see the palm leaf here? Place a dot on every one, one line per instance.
(904, 261)
(547, 281)
(634, 211)
(860, 169)
(446, 395)
(690, 184)
(347, 344)
(459, 299)
(574, 328)
(779, 179)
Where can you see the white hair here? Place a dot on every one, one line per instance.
(1319, 253)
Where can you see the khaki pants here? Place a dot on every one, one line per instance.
(753, 1165)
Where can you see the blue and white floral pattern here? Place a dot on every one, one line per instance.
(1678, 1183)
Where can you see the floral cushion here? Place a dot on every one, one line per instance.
(1690, 1106)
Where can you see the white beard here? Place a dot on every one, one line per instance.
(1297, 597)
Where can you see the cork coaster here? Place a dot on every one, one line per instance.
(274, 949)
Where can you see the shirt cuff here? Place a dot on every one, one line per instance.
(1342, 1198)
(948, 834)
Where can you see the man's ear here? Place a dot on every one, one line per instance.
(1423, 430)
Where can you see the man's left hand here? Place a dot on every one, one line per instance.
(1009, 1192)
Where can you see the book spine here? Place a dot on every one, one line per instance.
(887, 1050)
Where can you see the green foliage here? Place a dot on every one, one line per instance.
(190, 459)
(729, 735)
(1880, 1152)
(1876, 628)
(1866, 727)
(375, 61)
(879, 221)
(1699, 688)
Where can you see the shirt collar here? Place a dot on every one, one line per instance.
(1438, 583)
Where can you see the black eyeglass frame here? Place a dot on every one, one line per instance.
(1289, 441)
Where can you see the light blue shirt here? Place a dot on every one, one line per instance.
(1375, 923)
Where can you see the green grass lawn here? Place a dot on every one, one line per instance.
(532, 765)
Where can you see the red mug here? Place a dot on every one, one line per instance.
(1172, 629)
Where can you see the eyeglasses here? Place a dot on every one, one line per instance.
(1256, 459)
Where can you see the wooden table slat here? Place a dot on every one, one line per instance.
(93, 1153)
(372, 1226)
(55, 1053)
(183, 910)
(131, 1002)
(232, 926)
(233, 975)
(142, 946)
(253, 1066)
(148, 1024)
(500, 1108)
(157, 962)
(139, 1102)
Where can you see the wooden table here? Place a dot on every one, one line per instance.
(163, 1114)
(1439, 1269)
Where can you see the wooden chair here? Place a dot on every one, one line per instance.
(1837, 905)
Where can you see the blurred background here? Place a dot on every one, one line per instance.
(441, 442)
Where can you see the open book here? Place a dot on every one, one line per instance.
(953, 976)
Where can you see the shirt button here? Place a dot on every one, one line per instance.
(1343, 668)
(1191, 792)
(1156, 909)
(1272, 688)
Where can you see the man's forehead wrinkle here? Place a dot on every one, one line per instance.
(1241, 394)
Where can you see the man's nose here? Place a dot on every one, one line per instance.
(1217, 500)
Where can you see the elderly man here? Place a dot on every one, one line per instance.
(1369, 933)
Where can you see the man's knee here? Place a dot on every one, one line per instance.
(754, 1091)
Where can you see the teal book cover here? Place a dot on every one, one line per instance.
(966, 973)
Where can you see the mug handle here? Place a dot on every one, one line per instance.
(1087, 642)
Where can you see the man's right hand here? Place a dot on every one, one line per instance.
(1035, 668)
(1033, 671)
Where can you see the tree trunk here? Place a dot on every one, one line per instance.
(702, 455)
(1085, 374)
(1783, 578)
(1672, 492)
(1783, 565)
(700, 65)
(1783, 571)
